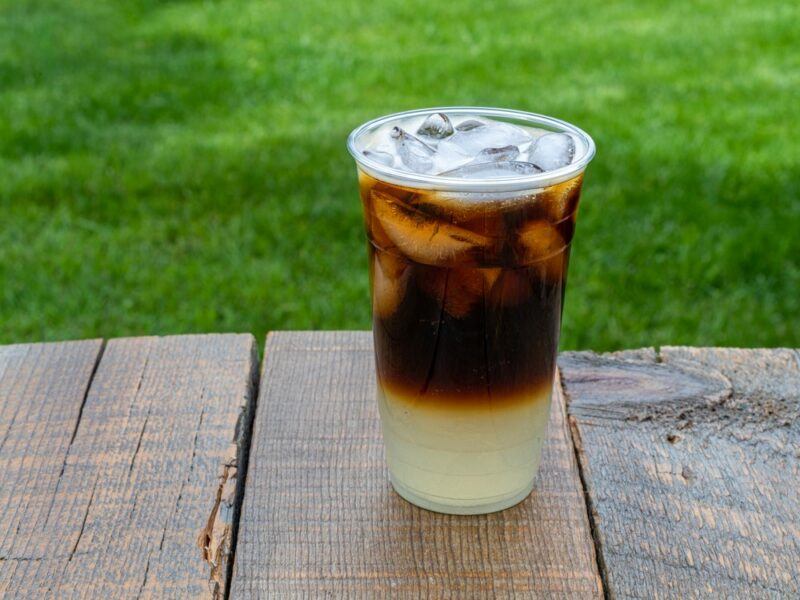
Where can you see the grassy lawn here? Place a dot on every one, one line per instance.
(170, 167)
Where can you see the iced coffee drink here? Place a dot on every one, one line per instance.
(469, 217)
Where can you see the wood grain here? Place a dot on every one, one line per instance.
(119, 509)
(42, 391)
(320, 520)
(691, 460)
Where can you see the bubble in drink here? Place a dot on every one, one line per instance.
(437, 126)
(553, 151)
(503, 153)
(494, 170)
(414, 153)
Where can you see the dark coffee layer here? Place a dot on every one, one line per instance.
(451, 343)
(467, 295)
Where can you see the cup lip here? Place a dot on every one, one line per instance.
(505, 184)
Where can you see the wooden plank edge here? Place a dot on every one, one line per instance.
(217, 539)
(574, 436)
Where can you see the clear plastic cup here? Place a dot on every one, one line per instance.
(467, 283)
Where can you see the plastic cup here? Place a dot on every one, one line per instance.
(467, 285)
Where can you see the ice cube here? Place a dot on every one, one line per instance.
(561, 200)
(385, 158)
(541, 247)
(465, 289)
(437, 126)
(459, 290)
(375, 232)
(482, 213)
(414, 153)
(510, 288)
(493, 170)
(424, 238)
(449, 157)
(390, 276)
(490, 276)
(469, 124)
(488, 155)
(493, 134)
(552, 151)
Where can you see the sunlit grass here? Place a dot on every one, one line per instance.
(179, 166)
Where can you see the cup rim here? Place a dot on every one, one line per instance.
(437, 182)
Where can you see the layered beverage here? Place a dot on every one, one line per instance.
(469, 217)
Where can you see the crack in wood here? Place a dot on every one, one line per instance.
(85, 397)
(83, 523)
(133, 506)
(215, 539)
(188, 473)
(141, 375)
(144, 580)
(139, 383)
(138, 443)
(218, 538)
(243, 438)
(98, 358)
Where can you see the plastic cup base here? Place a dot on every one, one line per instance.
(454, 506)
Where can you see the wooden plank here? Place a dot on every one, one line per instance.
(691, 459)
(150, 469)
(319, 517)
(42, 391)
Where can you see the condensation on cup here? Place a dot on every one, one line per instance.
(469, 214)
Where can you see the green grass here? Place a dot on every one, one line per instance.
(170, 167)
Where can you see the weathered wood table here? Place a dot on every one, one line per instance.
(169, 467)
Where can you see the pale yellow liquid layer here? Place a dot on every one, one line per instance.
(464, 461)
